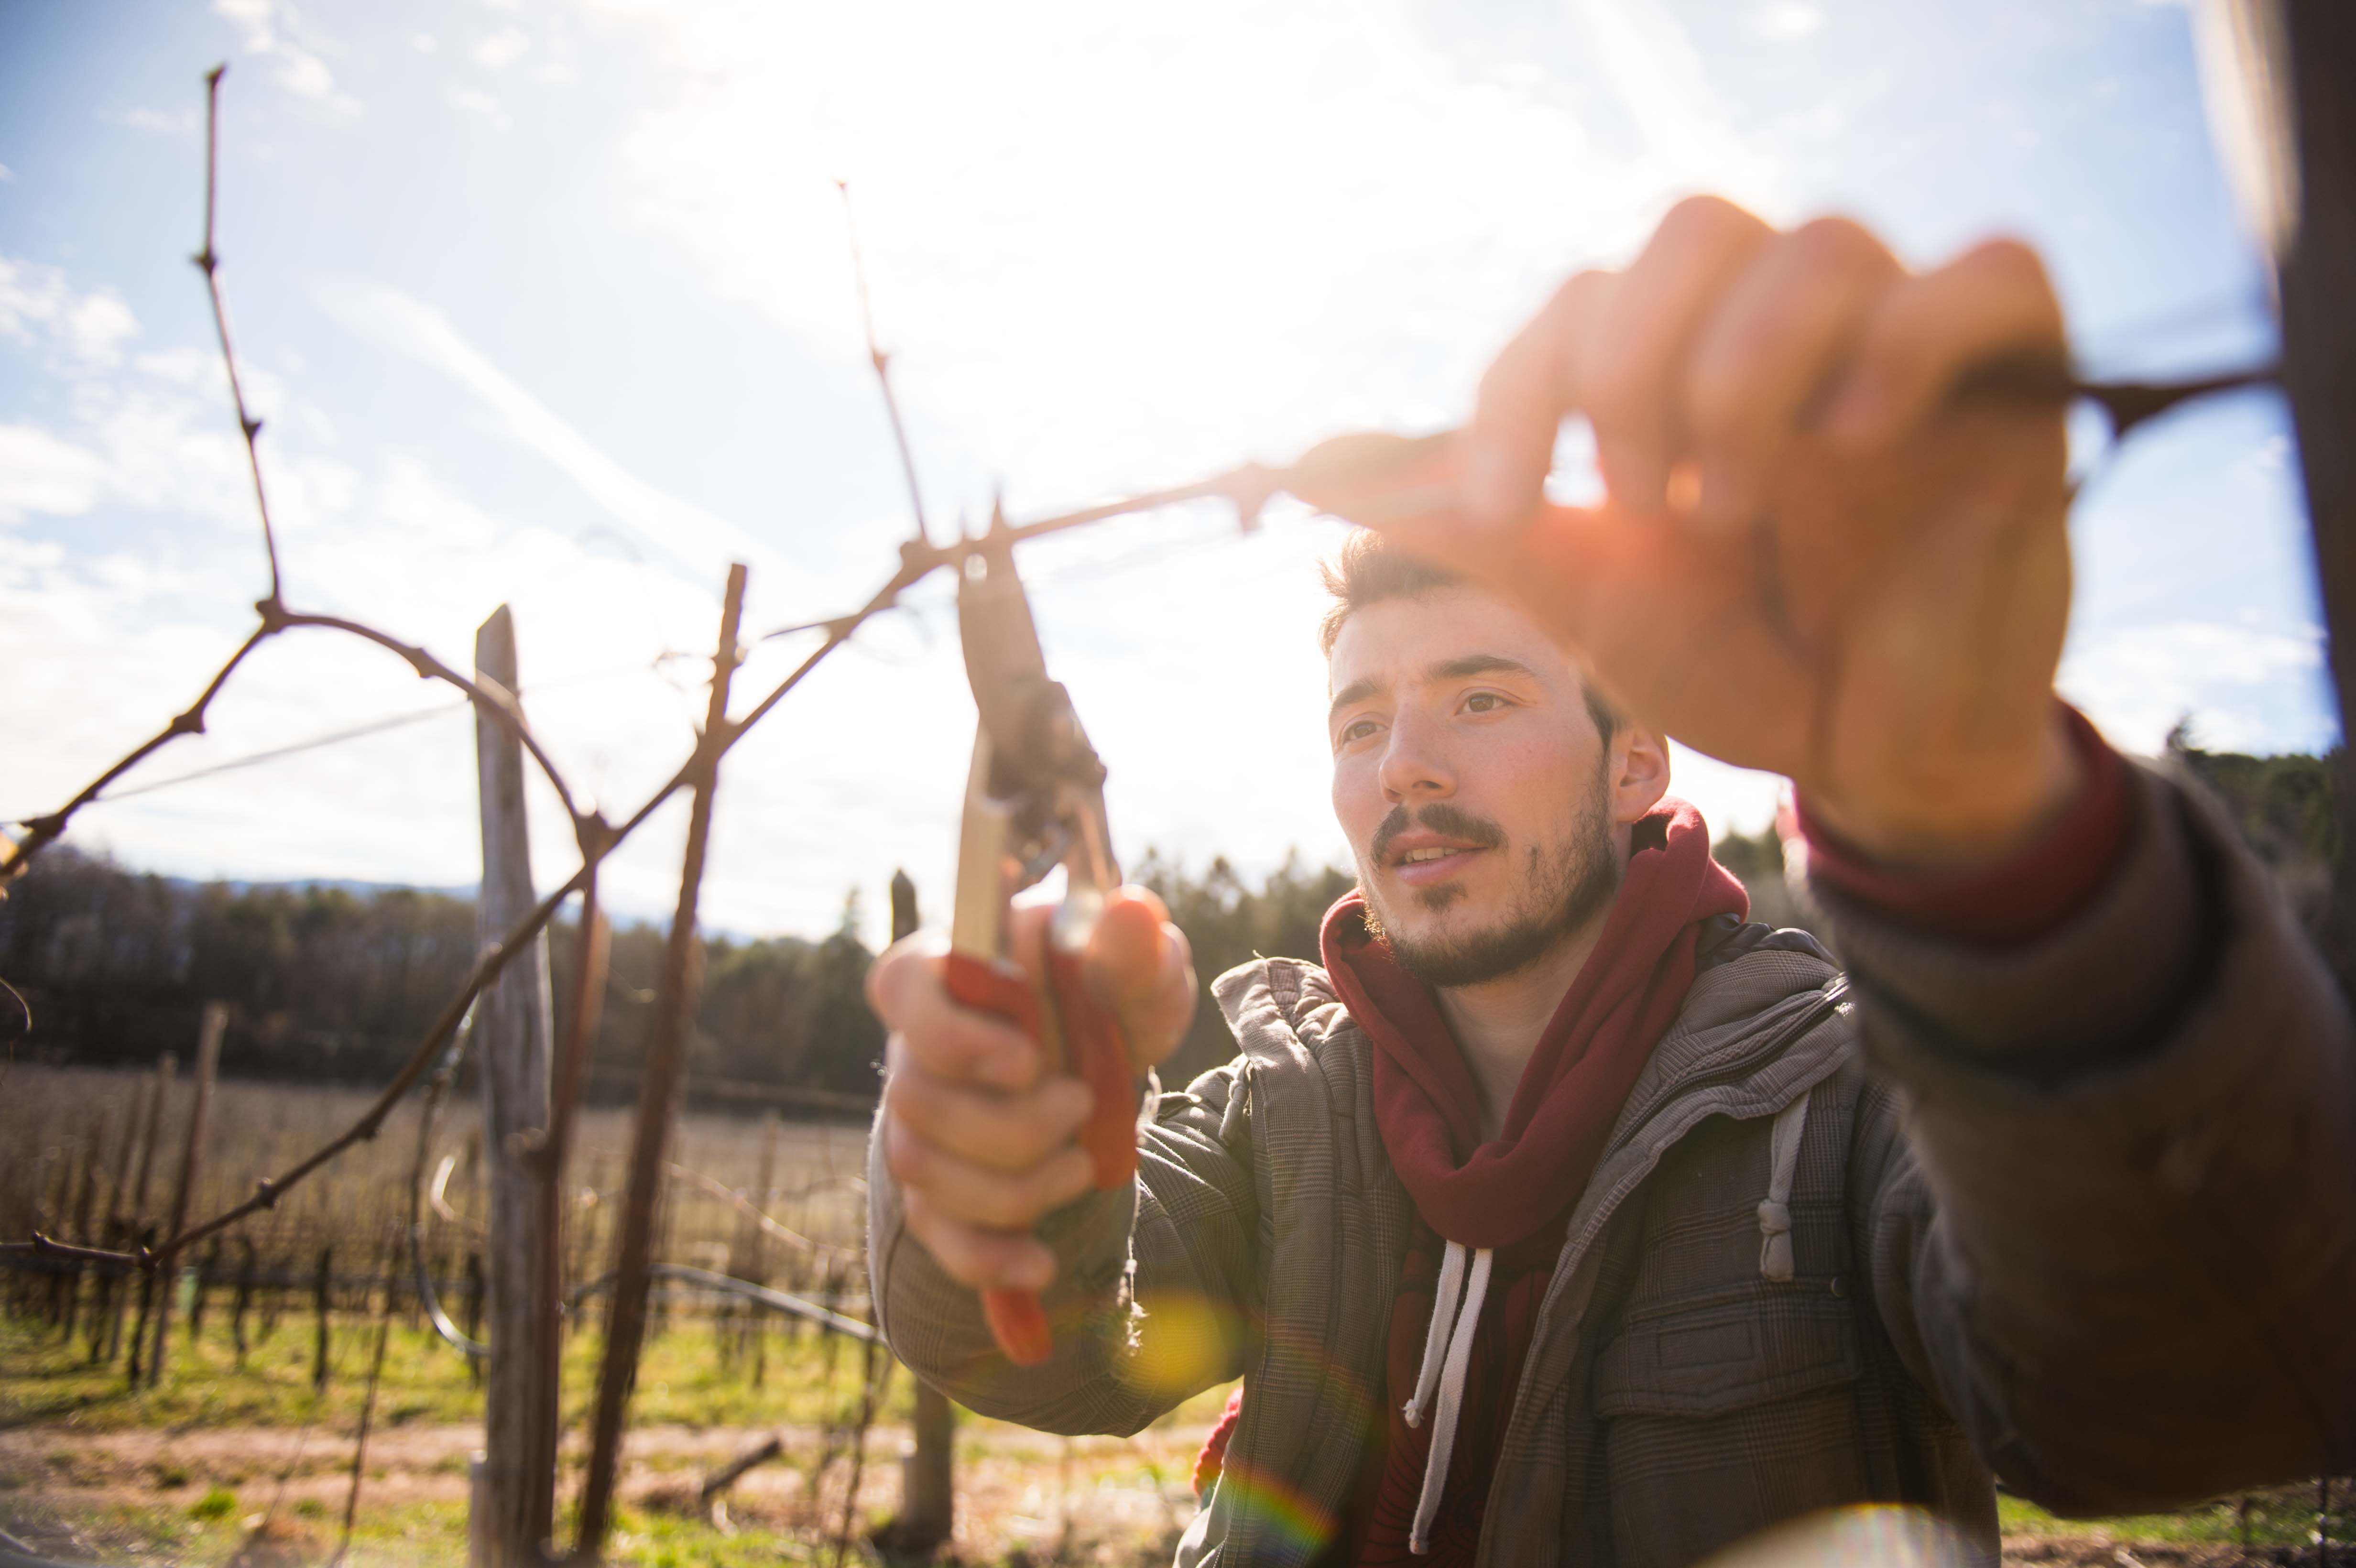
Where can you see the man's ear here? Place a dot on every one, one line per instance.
(1638, 772)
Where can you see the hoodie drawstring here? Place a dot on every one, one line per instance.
(1448, 1341)
(1775, 1212)
(1447, 1356)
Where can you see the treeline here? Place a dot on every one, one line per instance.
(1228, 923)
(326, 983)
(331, 983)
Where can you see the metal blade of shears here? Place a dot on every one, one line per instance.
(1035, 799)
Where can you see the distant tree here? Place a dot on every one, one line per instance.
(329, 983)
(1758, 859)
(326, 983)
(1228, 923)
(2286, 807)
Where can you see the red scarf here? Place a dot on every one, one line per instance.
(1515, 1193)
(1495, 1194)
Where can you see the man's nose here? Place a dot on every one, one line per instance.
(1415, 760)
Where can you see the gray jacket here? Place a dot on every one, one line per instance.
(2082, 1214)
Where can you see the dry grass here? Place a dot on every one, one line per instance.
(256, 1129)
(187, 1472)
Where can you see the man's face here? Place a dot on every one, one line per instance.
(1478, 794)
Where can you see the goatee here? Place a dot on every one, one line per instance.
(1564, 891)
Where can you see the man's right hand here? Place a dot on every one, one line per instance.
(979, 1136)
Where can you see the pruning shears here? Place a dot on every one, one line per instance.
(1035, 800)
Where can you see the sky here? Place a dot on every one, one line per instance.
(548, 303)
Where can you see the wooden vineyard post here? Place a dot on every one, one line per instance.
(674, 1028)
(94, 1146)
(927, 1483)
(2317, 49)
(759, 1240)
(245, 1272)
(513, 1040)
(106, 1314)
(323, 1294)
(184, 1192)
(166, 1065)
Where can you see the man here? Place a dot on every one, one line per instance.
(1563, 1216)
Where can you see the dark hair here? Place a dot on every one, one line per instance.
(1368, 570)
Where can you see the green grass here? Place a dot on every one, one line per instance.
(197, 1515)
(682, 1378)
(2278, 1516)
(415, 1535)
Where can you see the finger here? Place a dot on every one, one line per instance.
(886, 976)
(1509, 444)
(930, 1029)
(1006, 1199)
(1631, 370)
(1141, 964)
(979, 1258)
(1026, 932)
(1762, 361)
(1125, 951)
(1992, 302)
(1004, 1132)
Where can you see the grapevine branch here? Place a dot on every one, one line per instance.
(882, 361)
(1248, 487)
(208, 261)
(918, 560)
(274, 617)
(735, 1199)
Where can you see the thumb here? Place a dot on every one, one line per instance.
(1139, 964)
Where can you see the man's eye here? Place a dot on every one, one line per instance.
(1358, 730)
(1483, 702)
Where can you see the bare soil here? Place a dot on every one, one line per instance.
(1020, 1492)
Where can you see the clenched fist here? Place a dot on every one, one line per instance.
(978, 1133)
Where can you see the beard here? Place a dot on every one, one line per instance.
(1566, 886)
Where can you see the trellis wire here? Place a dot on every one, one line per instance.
(1248, 487)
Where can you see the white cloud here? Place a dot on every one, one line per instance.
(38, 472)
(37, 304)
(501, 49)
(107, 645)
(160, 438)
(1643, 56)
(475, 100)
(187, 365)
(1782, 21)
(274, 30)
(156, 120)
(677, 529)
(2138, 683)
(7, 174)
(99, 324)
(1113, 246)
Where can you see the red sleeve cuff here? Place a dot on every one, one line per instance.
(2030, 894)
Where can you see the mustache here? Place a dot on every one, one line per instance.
(1439, 818)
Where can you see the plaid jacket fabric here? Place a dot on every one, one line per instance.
(2033, 1229)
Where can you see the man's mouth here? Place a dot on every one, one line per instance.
(1422, 864)
(1432, 844)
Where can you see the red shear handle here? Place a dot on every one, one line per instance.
(1016, 1319)
(1093, 1049)
(1096, 1053)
